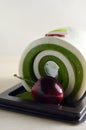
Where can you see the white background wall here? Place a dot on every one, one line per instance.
(22, 21)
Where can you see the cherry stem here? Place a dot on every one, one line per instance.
(30, 81)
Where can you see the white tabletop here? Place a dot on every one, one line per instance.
(17, 121)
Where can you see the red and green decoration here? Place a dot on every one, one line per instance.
(58, 32)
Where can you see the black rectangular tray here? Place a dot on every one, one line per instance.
(73, 114)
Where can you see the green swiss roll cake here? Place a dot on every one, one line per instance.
(60, 54)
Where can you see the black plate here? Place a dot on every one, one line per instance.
(74, 113)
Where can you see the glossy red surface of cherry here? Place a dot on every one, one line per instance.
(48, 90)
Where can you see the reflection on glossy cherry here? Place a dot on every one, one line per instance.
(48, 90)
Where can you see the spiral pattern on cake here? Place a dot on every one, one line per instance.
(57, 56)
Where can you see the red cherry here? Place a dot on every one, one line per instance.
(48, 90)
